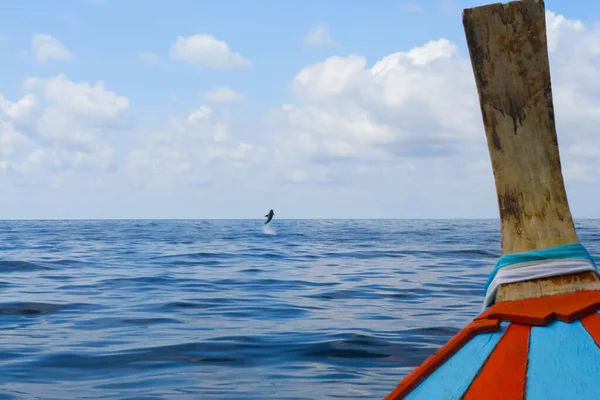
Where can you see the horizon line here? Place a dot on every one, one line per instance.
(278, 219)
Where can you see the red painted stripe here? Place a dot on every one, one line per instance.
(504, 373)
(543, 310)
(537, 312)
(420, 373)
(591, 323)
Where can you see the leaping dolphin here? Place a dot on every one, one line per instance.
(269, 216)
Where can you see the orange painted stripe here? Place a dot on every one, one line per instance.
(504, 373)
(591, 323)
(537, 312)
(413, 379)
(543, 310)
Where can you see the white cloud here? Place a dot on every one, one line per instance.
(331, 77)
(397, 136)
(57, 128)
(20, 110)
(81, 99)
(201, 113)
(59, 159)
(319, 36)
(11, 140)
(46, 47)
(420, 102)
(223, 95)
(195, 150)
(203, 50)
(149, 58)
(420, 106)
(559, 27)
(241, 155)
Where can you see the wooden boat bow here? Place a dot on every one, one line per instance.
(538, 338)
(509, 54)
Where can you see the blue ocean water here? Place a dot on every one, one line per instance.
(222, 310)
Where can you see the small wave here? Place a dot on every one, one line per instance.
(185, 308)
(151, 321)
(199, 255)
(477, 252)
(234, 351)
(251, 270)
(150, 281)
(232, 308)
(272, 284)
(19, 308)
(67, 262)
(367, 254)
(95, 324)
(201, 304)
(373, 293)
(13, 266)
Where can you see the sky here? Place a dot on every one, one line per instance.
(206, 109)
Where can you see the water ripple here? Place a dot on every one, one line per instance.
(219, 310)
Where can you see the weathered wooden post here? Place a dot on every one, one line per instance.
(539, 336)
(509, 54)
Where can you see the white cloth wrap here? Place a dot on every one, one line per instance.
(526, 271)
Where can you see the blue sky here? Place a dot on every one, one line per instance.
(226, 109)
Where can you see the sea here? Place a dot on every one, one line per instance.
(229, 309)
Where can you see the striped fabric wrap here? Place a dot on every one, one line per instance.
(541, 263)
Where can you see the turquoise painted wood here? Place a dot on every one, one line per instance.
(452, 379)
(564, 363)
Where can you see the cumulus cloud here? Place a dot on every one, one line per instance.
(402, 132)
(242, 154)
(46, 47)
(81, 99)
(14, 119)
(575, 68)
(203, 50)
(201, 113)
(319, 36)
(59, 127)
(351, 121)
(416, 103)
(223, 95)
(196, 150)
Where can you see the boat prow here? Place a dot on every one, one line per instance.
(539, 334)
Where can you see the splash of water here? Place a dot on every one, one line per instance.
(268, 230)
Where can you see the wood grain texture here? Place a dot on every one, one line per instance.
(531, 312)
(503, 375)
(564, 363)
(452, 379)
(508, 49)
(431, 364)
(542, 311)
(548, 286)
(591, 323)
